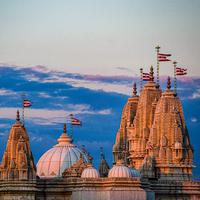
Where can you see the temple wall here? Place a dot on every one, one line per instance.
(122, 193)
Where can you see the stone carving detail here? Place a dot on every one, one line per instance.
(17, 163)
(76, 169)
(158, 132)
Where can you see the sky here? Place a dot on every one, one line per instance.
(114, 37)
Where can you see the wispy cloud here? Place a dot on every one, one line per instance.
(94, 85)
(194, 119)
(47, 116)
(4, 92)
(195, 95)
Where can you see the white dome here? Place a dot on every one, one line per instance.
(90, 172)
(134, 172)
(60, 157)
(119, 171)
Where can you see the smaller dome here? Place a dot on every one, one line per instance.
(134, 172)
(119, 171)
(90, 172)
(178, 145)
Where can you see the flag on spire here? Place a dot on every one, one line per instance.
(181, 71)
(162, 57)
(76, 122)
(145, 76)
(26, 103)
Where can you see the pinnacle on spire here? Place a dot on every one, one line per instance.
(134, 89)
(18, 116)
(168, 83)
(65, 128)
(151, 77)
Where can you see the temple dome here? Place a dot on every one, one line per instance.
(62, 156)
(119, 171)
(90, 172)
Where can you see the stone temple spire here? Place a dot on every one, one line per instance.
(17, 162)
(169, 142)
(128, 115)
(103, 167)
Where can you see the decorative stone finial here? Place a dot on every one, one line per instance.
(134, 89)
(18, 117)
(151, 77)
(168, 83)
(65, 128)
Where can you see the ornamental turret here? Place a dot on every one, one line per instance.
(143, 120)
(120, 148)
(169, 143)
(17, 163)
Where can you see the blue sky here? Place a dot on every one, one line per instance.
(99, 36)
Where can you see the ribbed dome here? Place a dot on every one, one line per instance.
(60, 157)
(119, 171)
(134, 172)
(90, 172)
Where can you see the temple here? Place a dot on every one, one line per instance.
(152, 157)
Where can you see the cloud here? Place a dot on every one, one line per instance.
(94, 85)
(4, 92)
(195, 95)
(124, 69)
(50, 117)
(36, 138)
(44, 95)
(194, 119)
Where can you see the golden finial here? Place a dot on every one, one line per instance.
(151, 77)
(134, 89)
(65, 128)
(157, 47)
(18, 117)
(168, 83)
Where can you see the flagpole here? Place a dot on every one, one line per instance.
(71, 126)
(175, 80)
(141, 78)
(157, 67)
(23, 95)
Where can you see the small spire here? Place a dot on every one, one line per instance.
(168, 83)
(18, 116)
(65, 128)
(151, 74)
(134, 89)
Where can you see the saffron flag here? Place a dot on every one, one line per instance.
(145, 77)
(76, 122)
(181, 71)
(162, 57)
(26, 103)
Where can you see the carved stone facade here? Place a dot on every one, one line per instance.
(158, 139)
(17, 162)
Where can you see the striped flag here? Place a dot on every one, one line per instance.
(26, 103)
(76, 122)
(181, 71)
(145, 77)
(162, 57)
